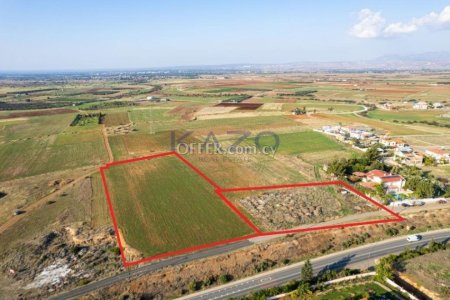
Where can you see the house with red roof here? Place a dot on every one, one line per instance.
(392, 183)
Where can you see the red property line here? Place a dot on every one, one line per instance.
(237, 211)
(113, 217)
(220, 192)
(316, 228)
(190, 249)
(384, 207)
(211, 182)
(283, 186)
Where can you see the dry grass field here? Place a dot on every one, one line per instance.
(431, 271)
(116, 119)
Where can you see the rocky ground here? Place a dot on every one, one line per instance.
(285, 209)
(121, 129)
(60, 259)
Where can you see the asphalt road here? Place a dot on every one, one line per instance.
(150, 268)
(340, 260)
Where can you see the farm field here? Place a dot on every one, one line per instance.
(256, 123)
(406, 116)
(116, 119)
(141, 144)
(431, 271)
(53, 133)
(37, 156)
(429, 140)
(99, 206)
(34, 127)
(322, 107)
(162, 205)
(246, 170)
(387, 127)
(302, 142)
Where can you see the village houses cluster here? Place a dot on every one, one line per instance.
(419, 105)
(394, 151)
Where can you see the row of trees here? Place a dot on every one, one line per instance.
(369, 160)
(422, 183)
(306, 286)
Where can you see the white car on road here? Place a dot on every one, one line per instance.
(413, 238)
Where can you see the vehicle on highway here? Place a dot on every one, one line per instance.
(413, 238)
(442, 201)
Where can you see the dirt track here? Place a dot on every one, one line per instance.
(106, 142)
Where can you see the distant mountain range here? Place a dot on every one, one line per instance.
(433, 61)
(429, 61)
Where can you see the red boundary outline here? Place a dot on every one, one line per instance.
(220, 192)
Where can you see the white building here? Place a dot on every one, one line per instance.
(438, 105)
(440, 155)
(420, 105)
(391, 183)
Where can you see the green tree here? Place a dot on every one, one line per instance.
(379, 190)
(384, 268)
(412, 182)
(429, 161)
(372, 153)
(339, 167)
(307, 271)
(303, 291)
(425, 189)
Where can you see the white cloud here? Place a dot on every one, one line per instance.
(372, 24)
(399, 27)
(369, 26)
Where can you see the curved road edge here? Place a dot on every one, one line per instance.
(266, 280)
(279, 276)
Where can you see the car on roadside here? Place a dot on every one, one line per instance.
(442, 201)
(18, 212)
(413, 238)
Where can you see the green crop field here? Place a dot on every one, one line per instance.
(302, 142)
(38, 156)
(131, 145)
(405, 116)
(36, 126)
(162, 205)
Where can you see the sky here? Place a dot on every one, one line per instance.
(88, 35)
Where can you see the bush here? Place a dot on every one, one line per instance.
(193, 286)
(392, 231)
(224, 278)
(114, 250)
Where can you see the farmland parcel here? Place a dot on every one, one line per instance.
(162, 205)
